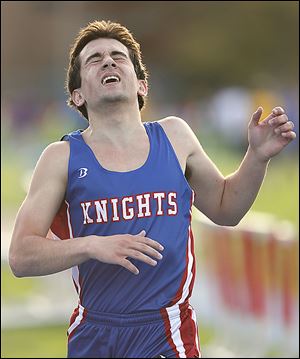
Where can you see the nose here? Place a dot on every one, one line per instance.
(109, 62)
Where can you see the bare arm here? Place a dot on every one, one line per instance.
(225, 200)
(32, 254)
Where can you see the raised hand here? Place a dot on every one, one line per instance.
(270, 135)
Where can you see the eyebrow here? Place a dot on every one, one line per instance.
(98, 54)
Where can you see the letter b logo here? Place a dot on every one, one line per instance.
(82, 172)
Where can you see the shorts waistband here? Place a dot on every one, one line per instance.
(131, 319)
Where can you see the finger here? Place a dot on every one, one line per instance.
(144, 248)
(142, 257)
(152, 243)
(290, 135)
(256, 115)
(129, 266)
(147, 242)
(278, 111)
(278, 120)
(284, 128)
(142, 233)
(266, 121)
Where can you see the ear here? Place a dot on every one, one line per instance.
(77, 97)
(143, 88)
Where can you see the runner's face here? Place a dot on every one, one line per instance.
(107, 73)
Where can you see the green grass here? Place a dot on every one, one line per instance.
(12, 184)
(17, 289)
(206, 335)
(29, 342)
(280, 191)
(38, 342)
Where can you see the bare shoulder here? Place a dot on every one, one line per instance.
(59, 147)
(179, 133)
(54, 161)
(174, 125)
(57, 152)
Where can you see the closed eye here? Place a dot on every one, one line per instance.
(96, 57)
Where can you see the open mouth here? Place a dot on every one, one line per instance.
(110, 79)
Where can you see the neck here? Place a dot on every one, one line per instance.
(114, 123)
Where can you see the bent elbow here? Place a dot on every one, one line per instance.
(15, 266)
(16, 273)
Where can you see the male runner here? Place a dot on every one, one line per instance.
(119, 196)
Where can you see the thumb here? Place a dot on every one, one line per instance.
(142, 233)
(256, 116)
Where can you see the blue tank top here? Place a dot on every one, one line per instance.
(155, 197)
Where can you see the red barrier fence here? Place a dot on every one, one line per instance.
(251, 271)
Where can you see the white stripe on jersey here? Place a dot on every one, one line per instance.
(75, 276)
(53, 235)
(185, 291)
(75, 269)
(69, 220)
(77, 320)
(175, 324)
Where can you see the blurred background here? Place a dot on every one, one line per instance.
(211, 63)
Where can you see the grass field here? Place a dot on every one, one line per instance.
(37, 342)
(15, 290)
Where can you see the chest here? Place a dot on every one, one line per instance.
(129, 157)
(122, 158)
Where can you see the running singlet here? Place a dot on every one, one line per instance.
(156, 198)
